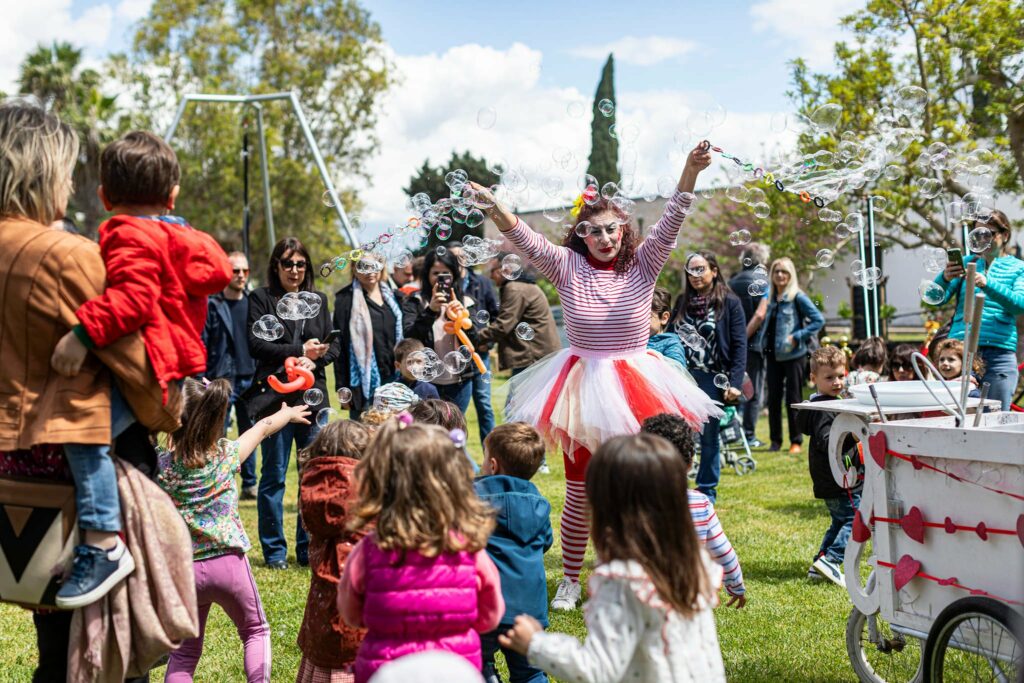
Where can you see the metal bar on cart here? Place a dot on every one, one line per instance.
(863, 289)
(876, 314)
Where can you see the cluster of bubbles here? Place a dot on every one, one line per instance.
(268, 328)
(291, 306)
(689, 335)
(525, 332)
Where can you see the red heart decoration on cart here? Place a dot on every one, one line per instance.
(950, 527)
(982, 531)
(1020, 529)
(949, 582)
(906, 569)
(913, 524)
(861, 531)
(879, 446)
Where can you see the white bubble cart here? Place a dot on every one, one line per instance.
(935, 564)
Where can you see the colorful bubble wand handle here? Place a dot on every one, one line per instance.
(299, 378)
(458, 323)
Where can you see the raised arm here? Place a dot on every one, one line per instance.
(655, 250)
(549, 259)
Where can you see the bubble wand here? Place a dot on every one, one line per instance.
(765, 176)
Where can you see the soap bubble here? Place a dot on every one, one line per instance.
(893, 172)
(779, 122)
(842, 231)
(344, 396)
(747, 262)
(879, 203)
(525, 332)
(934, 259)
(854, 222)
(762, 210)
(721, 381)
(606, 107)
(454, 362)
(824, 257)
(979, 240)
(486, 117)
(694, 341)
(440, 251)
(327, 199)
(826, 117)
(312, 397)
(268, 328)
(911, 99)
(929, 187)
(738, 193)
(739, 237)
(482, 317)
(931, 293)
(325, 415)
(511, 267)
(757, 288)
(293, 307)
(474, 218)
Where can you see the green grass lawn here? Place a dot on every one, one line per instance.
(792, 629)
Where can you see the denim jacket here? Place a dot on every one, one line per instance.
(799, 317)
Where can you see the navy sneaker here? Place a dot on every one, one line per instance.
(94, 573)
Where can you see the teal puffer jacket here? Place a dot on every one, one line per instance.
(1004, 301)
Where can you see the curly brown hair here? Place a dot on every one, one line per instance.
(418, 489)
(630, 240)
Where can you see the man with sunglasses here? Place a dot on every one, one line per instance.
(227, 352)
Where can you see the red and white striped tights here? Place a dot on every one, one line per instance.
(575, 527)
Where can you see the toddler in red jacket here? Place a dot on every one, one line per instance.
(159, 273)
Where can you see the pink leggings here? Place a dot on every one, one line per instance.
(227, 581)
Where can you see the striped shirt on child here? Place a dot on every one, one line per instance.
(711, 534)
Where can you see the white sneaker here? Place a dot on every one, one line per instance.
(830, 571)
(567, 596)
(544, 469)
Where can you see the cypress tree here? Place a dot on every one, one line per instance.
(604, 149)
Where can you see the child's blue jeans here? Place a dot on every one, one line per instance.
(519, 668)
(833, 546)
(96, 496)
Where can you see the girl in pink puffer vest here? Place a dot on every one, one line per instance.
(422, 579)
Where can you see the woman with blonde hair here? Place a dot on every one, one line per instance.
(791, 321)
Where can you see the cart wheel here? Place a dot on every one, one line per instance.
(975, 639)
(879, 655)
(744, 465)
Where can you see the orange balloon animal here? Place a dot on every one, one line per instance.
(458, 323)
(299, 378)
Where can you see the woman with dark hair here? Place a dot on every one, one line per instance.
(714, 328)
(1000, 275)
(606, 383)
(423, 313)
(791, 320)
(290, 271)
(370, 321)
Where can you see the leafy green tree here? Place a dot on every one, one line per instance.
(967, 56)
(54, 75)
(604, 149)
(330, 54)
(430, 180)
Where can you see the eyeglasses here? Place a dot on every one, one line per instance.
(588, 229)
(240, 271)
(288, 264)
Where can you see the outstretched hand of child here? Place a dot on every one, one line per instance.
(68, 355)
(698, 159)
(737, 600)
(519, 636)
(297, 414)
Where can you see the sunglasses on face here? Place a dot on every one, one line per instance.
(288, 264)
(240, 271)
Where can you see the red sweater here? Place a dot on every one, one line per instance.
(159, 273)
(327, 493)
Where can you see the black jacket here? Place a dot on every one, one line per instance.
(817, 425)
(219, 338)
(731, 331)
(270, 356)
(385, 359)
(739, 284)
(418, 323)
(481, 290)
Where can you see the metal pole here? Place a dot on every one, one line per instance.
(323, 171)
(876, 321)
(177, 119)
(245, 188)
(863, 289)
(268, 210)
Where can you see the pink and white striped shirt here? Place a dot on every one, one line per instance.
(711, 534)
(604, 310)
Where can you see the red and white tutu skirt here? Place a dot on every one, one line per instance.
(587, 397)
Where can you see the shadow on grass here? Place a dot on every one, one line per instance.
(804, 509)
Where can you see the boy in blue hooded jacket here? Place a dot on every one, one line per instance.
(512, 454)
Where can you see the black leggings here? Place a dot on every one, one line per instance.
(785, 378)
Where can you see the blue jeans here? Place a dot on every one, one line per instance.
(519, 668)
(277, 451)
(96, 495)
(458, 393)
(1000, 373)
(833, 545)
(710, 468)
(482, 401)
(238, 387)
(751, 410)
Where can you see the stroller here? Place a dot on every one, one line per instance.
(734, 450)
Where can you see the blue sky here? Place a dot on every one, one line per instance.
(530, 61)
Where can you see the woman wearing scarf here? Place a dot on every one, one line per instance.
(370, 321)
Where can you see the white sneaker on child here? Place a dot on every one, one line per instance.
(567, 596)
(830, 570)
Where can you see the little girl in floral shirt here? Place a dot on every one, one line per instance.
(199, 475)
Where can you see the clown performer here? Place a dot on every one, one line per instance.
(607, 382)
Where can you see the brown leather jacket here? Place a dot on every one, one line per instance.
(522, 302)
(45, 275)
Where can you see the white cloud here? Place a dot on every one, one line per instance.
(433, 111)
(638, 51)
(805, 29)
(26, 25)
(133, 10)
